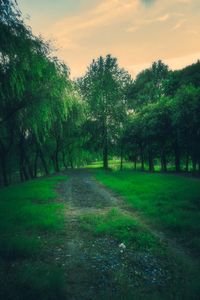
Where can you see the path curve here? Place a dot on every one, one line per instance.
(94, 265)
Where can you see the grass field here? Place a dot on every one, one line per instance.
(30, 220)
(170, 202)
(33, 235)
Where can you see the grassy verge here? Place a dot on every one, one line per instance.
(120, 226)
(170, 202)
(30, 219)
(144, 256)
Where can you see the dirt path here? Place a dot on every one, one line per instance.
(95, 266)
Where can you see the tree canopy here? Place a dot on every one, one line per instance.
(49, 122)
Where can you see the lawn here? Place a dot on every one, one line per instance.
(169, 202)
(30, 224)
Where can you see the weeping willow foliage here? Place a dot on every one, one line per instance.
(39, 104)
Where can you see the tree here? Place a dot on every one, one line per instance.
(103, 87)
(148, 86)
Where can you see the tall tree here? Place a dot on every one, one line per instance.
(103, 88)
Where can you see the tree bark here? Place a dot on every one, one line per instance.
(163, 161)
(43, 162)
(151, 164)
(177, 158)
(22, 166)
(142, 158)
(105, 157)
(4, 170)
(63, 160)
(71, 163)
(35, 164)
(135, 164)
(121, 157)
(187, 160)
(29, 168)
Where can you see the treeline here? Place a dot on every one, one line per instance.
(48, 122)
(164, 126)
(40, 109)
(152, 120)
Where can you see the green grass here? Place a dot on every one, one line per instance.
(30, 221)
(121, 226)
(169, 202)
(114, 164)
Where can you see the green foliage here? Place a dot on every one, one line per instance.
(148, 86)
(40, 107)
(104, 88)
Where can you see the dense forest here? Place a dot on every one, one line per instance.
(49, 122)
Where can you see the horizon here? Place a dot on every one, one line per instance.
(137, 32)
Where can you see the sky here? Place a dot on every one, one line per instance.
(137, 32)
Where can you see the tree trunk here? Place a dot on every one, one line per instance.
(25, 173)
(4, 170)
(22, 166)
(142, 159)
(63, 160)
(71, 163)
(57, 169)
(151, 164)
(198, 165)
(135, 163)
(105, 146)
(21, 173)
(194, 166)
(121, 157)
(43, 162)
(177, 158)
(187, 162)
(163, 161)
(105, 157)
(30, 169)
(35, 164)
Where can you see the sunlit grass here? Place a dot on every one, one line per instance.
(115, 164)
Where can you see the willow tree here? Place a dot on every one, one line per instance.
(36, 99)
(103, 87)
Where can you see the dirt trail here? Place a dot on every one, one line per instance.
(95, 266)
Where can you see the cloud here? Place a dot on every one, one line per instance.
(161, 18)
(107, 12)
(132, 29)
(174, 63)
(185, 1)
(179, 24)
(145, 22)
(101, 15)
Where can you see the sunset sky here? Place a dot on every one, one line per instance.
(137, 32)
